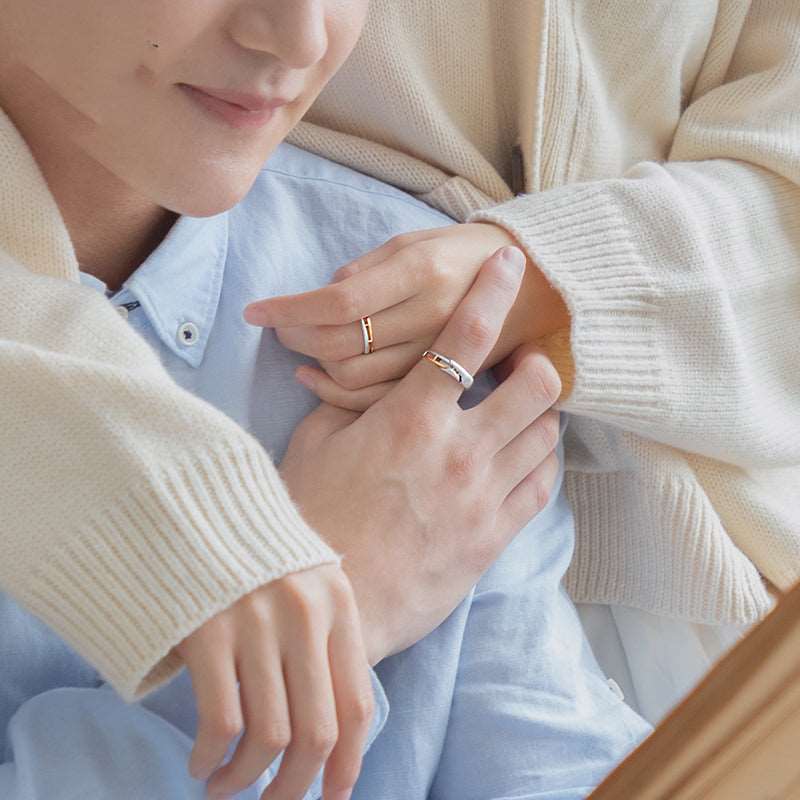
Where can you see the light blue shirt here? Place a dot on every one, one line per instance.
(504, 699)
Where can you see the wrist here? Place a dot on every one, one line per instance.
(539, 310)
(374, 631)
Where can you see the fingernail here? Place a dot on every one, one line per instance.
(514, 257)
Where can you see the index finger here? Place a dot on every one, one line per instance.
(340, 303)
(473, 330)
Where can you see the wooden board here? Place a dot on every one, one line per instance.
(737, 735)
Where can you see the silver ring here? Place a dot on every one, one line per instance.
(450, 366)
(366, 335)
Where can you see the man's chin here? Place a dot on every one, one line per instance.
(215, 198)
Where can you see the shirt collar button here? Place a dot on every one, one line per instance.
(188, 334)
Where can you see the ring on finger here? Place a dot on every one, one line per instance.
(450, 366)
(366, 335)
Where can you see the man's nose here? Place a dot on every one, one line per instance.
(293, 31)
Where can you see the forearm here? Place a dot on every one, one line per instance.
(678, 325)
(682, 278)
(123, 492)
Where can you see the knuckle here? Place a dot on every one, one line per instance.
(542, 494)
(544, 377)
(476, 330)
(256, 607)
(431, 264)
(304, 604)
(320, 739)
(461, 465)
(225, 726)
(360, 710)
(344, 303)
(441, 307)
(340, 589)
(548, 428)
(306, 614)
(546, 478)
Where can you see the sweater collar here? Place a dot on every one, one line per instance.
(32, 230)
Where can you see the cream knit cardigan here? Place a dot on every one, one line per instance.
(660, 157)
(130, 511)
(660, 148)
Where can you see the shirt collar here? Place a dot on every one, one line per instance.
(180, 283)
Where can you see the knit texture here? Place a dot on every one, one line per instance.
(132, 512)
(661, 162)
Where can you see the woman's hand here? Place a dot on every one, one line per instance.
(295, 647)
(420, 495)
(409, 288)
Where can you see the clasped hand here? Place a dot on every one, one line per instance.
(410, 288)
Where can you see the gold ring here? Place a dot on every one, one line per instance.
(366, 335)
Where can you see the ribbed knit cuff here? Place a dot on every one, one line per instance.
(152, 567)
(709, 580)
(581, 241)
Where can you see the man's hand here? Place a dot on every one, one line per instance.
(420, 495)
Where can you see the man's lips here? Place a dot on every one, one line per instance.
(238, 109)
(249, 100)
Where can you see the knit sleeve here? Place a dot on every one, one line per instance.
(683, 278)
(132, 512)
